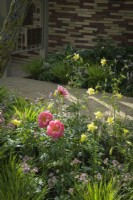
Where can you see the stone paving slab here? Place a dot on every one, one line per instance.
(33, 89)
(29, 88)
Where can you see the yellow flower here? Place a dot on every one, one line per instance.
(50, 106)
(110, 120)
(83, 138)
(76, 57)
(119, 96)
(55, 93)
(99, 115)
(15, 122)
(103, 61)
(91, 127)
(125, 130)
(91, 91)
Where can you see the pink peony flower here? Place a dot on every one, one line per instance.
(55, 129)
(44, 118)
(62, 91)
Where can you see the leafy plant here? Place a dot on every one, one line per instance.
(26, 110)
(61, 71)
(60, 55)
(14, 184)
(79, 149)
(102, 190)
(34, 68)
(3, 93)
(96, 75)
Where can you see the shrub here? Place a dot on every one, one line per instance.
(34, 68)
(62, 67)
(96, 74)
(60, 72)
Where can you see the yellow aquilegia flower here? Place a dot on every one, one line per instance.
(83, 138)
(125, 131)
(50, 106)
(15, 122)
(98, 115)
(110, 120)
(90, 91)
(91, 127)
(76, 56)
(103, 61)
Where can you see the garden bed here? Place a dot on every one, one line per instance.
(104, 65)
(50, 150)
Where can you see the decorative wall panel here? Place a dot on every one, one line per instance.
(80, 22)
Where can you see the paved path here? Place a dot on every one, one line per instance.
(33, 89)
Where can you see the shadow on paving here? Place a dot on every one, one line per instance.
(29, 88)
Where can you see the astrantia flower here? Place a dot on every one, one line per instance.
(35, 169)
(44, 118)
(99, 115)
(71, 190)
(110, 120)
(83, 177)
(91, 91)
(115, 163)
(62, 91)
(91, 127)
(2, 120)
(52, 181)
(55, 129)
(83, 138)
(15, 122)
(75, 161)
(26, 168)
(99, 176)
(103, 61)
(76, 56)
(125, 130)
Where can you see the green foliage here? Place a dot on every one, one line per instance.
(28, 114)
(60, 67)
(101, 190)
(93, 146)
(46, 74)
(56, 68)
(34, 68)
(60, 72)
(96, 74)
(87, 71)
(61, 55)
(3, 93)
(14, 184)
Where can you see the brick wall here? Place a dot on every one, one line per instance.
(80, 22)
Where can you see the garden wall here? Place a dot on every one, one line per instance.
(80, 22)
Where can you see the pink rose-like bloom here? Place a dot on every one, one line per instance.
(55, 129)
(44, 118)
(62, 91)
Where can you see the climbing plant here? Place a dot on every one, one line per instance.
(10, 30)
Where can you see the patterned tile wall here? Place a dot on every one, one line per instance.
(80, 22)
